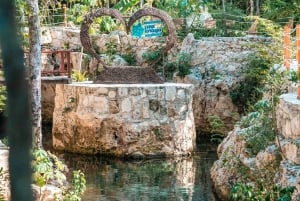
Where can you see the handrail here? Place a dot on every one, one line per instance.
(65, 63)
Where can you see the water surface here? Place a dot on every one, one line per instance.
(183, 179)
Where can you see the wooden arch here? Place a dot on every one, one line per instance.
(89, 18)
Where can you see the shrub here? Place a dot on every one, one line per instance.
(184, 64)
(48, 168)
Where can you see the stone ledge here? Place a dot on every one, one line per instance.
(288, 116)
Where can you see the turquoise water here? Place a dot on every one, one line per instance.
(185, 179)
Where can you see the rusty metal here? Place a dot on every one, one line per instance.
(65, 63)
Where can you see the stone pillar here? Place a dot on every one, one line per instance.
(125, 120)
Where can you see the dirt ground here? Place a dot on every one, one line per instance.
(128, 75)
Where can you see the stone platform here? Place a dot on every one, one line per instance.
(288, 125)
(124, 120)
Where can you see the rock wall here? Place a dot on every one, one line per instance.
(288, 125)
(4, 179)
(282, 156)
(217, 65)
(149, 120)
(48, 93)
(68, 38)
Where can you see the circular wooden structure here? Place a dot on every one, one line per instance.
(89, 18)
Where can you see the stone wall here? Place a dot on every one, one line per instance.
(69, 38)
(288, 125)
(48, 93)
(218, 64)
(149, 120)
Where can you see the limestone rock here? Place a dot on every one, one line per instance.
(154, 120)
(4, 180)
(45, 193)
(288, 116)
(286, 151)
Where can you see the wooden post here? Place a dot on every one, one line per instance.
(65, 15)
(286, 47)
(298, 57)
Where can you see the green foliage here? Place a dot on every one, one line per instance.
(257, 127)
(47, 167)
(184, 64)
(126, 5)
(78, 76)
(152, 56)
(111, 49)
(70, 105)
(267, 27)
(251, 89)
(76, 190)
(5, 141)
(217, 128)
(247, 192)
(293, 76)
(3, 97)
(248, 91)
(279, 9)
(1, 189)
(169, 70)
(130, 59)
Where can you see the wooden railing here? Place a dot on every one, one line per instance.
(287, 51)
(64, 69)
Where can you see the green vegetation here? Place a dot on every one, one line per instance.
(3, 97)
(248, 192)
(130, 59)
(47, 167)
(257, 128)
(1, 188)
(217, 128)
(78, 76)
(184, 64)
(152, 56)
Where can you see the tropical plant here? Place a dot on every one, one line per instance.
(78, 76)
(47, 168)
(248, 192)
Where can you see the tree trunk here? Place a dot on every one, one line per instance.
(251, 7)
(223, 5)
(18, 123)
(35, 71)
(257, 7)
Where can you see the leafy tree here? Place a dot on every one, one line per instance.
(276, 9)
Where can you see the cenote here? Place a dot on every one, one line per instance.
(111, 179)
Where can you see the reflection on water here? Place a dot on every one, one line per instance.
(150, 180)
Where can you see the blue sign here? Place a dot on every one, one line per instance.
(148, 29)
